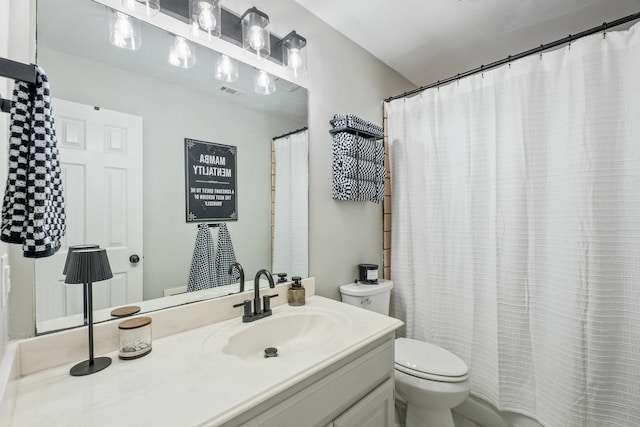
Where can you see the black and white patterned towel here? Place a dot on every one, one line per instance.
(362, 170)
(224, 258)
(360, 191)
(357, 146)
(33, 212)
(201, 273)
(358, 168)
(354, 122)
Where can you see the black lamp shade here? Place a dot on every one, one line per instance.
(88, 266)
(73, 249)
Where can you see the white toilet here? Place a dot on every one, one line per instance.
(429, 379)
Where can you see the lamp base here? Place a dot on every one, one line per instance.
(84, 368)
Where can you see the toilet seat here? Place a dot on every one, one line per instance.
(428, 361)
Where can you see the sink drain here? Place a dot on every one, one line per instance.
(270, 352)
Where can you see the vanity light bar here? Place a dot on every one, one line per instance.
(231, 29)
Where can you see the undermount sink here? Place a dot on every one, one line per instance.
(291, 333)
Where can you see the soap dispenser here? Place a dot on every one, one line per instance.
(296, 291)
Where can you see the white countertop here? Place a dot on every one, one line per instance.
(187, 379)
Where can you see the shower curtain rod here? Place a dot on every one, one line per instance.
(510, 58)
(289, 133)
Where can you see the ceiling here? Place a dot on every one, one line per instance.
(429, 40)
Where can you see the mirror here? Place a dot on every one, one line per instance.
(172, 104)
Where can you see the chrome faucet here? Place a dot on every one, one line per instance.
(241, 271)
(259, 310)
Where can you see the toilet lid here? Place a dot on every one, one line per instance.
(425, 360)
(363, 290)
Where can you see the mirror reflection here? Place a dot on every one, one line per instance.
(122, 117)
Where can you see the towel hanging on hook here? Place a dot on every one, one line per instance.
(33, 211)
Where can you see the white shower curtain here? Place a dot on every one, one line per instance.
(516, 229)
(291, 219)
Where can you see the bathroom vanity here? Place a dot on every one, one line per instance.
(334, 368)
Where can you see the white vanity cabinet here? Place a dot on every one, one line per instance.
(375, 410)
(354, 392)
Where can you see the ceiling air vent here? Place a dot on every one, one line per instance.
(230, 90)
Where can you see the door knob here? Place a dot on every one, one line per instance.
(134, 259)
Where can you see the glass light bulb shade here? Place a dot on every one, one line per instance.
(294, 54)
(295, 58)
(226, 69)
(296, 61)
(264, 83)
(256, 39)
(182, 53)
(195, 29)
(142, 7)
(124, 31)
(205, 16)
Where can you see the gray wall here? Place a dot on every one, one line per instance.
(343, 79)
(171, 113)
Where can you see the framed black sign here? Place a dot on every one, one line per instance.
(210, 176)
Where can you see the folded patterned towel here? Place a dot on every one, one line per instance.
(356, 146)
(356, 123)
(356, 190)
(350, 167)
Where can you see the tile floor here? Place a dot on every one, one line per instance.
(461, 421)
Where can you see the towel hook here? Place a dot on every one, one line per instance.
(5, 104)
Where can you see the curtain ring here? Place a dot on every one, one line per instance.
(570, 40)
(541, 49)
(482, 71)
(438, 85)
(509, 61)
(604, 30)
(458, 78)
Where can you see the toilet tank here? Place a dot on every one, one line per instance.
(370, 297)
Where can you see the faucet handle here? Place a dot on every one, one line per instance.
(247, 307)
(266, 301)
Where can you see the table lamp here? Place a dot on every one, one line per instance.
(87, 266)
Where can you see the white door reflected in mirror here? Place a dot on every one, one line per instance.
(101, 152)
